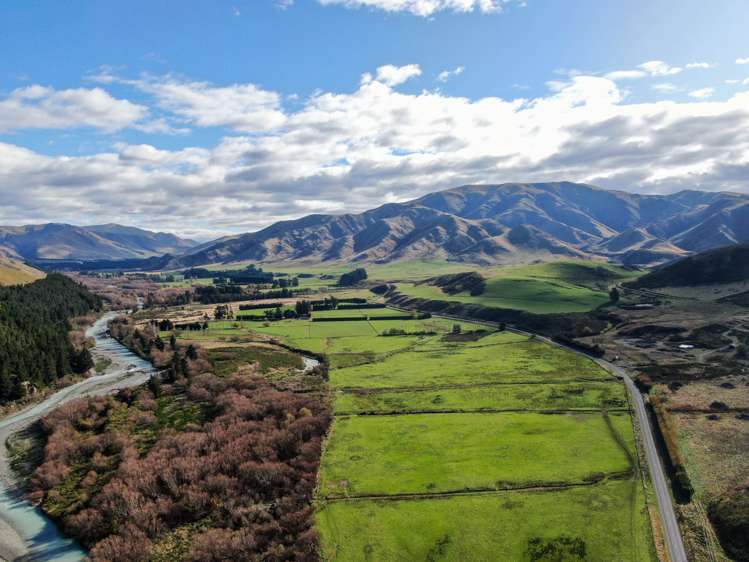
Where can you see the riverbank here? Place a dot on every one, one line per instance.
(24, 530)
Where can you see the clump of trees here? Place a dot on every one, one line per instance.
(240, 474)
(352, 277)
(35, 344)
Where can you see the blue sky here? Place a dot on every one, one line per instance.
(220, 116)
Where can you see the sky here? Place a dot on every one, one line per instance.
(212, 117)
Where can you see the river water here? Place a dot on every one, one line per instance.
(25, 532)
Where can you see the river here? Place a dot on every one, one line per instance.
(25, 532)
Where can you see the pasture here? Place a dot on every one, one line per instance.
(556, 287)
(607, 520)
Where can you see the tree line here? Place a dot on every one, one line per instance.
(35, 344)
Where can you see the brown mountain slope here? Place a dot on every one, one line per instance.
(490, 223)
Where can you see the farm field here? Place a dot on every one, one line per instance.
(452, 441)
(555, 287)
(529, 397)
(443, 435)
(434, 453)
(599, 520)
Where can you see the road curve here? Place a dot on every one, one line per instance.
(25, 532)
(673, 537)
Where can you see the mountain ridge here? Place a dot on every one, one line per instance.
(492, 223)
(105, 241)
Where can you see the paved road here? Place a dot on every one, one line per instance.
(673, 537)
(657, 475)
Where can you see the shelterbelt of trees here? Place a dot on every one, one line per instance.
(35, 343)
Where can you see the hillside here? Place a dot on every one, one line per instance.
(13, 272)
(558, 287)
(722, 265)
(109, 241)
(491, 224)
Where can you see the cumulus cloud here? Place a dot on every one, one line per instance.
(350, 151)
(394, 75)
(424, 7)
(241, 107)
(40, 107)
(445, 75)
(699, 65)
(742, 60)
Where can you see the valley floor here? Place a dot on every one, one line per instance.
(479, 445)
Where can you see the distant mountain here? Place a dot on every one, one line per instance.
(497, 223)
(729, 264)
(108, 241)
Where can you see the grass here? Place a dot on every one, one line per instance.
(499, 358)
(226, 360)
(489, 527)
(556, 287)
(433, 453)
(358, 312)
(588, 396)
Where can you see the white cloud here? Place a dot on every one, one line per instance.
(659, 68)
(445, 75)
(350, 151)
(40, 107)
(702, 93)
(240, 107)
(703, 65)
(395, 75)
(424, 8)
(742, 61)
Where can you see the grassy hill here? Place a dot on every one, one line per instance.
(17, 273)
(565, 286)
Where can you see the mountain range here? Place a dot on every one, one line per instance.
(492, 224)
(107, 241)
(485, 224)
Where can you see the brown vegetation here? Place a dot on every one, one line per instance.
(232, 460)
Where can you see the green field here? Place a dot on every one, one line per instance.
(498, 358)
(530, 397)
(608, 518)
(439, 439)
(569, 286)
(437, 453)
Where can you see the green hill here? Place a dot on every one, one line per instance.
(563, 286)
